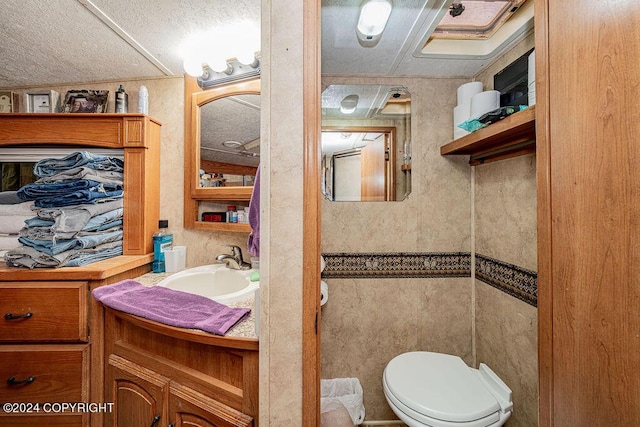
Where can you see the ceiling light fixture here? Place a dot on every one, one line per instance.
(374, 15)
(349, 104)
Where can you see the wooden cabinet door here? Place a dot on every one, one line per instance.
(587, 68)
(189, 408)
(139, 395)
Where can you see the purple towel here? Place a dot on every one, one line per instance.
(171, 307)
(254, 217)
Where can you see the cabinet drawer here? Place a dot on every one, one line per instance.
(43, 311)
(49, 373)
(54, 420)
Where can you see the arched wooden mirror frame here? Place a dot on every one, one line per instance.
(195, 97)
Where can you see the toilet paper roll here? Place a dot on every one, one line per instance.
(322, 264)
(532, 68)
(461, 113)
(484, 102)
(324, 292)
(467, 90)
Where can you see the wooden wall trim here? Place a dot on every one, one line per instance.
(311, 216)
(543, 177)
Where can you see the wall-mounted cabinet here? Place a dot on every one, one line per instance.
(222, 144)
(136, 134)
(512, 136)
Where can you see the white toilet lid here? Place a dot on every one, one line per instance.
(440, 386)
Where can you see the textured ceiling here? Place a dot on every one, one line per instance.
(235, 119)
(46, 43)
(68, 41)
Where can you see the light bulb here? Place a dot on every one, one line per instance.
(193, 66)
(247, 57)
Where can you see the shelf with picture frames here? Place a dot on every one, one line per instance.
(512, 136)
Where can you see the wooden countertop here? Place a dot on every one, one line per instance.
(96, 271)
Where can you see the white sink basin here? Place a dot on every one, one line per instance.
(215, 281)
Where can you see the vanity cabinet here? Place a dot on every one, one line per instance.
(178, 377)
(50, 348)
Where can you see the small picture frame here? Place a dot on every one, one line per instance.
(44, 101)
(85, 101)
(9, 102)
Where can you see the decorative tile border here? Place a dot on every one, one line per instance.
(515, 281)
(396, 265)
(511, 279)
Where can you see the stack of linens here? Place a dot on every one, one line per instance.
(79, 212)
(13, 213)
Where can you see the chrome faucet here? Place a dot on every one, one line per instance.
(234, 260)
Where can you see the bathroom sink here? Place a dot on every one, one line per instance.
(215, 281)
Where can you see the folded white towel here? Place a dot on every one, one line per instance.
(9, 242)
(12, 224)
(21, 209)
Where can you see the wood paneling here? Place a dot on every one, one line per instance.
(588, 66)
(311, 216)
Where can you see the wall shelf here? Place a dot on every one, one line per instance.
(512, 136)
(222, 226)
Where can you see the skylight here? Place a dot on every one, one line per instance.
(479, 19)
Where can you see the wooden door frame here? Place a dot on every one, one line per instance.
(311, 227)
(543, 184)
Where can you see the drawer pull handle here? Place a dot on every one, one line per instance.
(155, 420)
(13, 381)
(10, 316)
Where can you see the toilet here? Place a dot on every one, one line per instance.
(440, 390)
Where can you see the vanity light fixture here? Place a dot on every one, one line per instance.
(223, 55)
(374, 15)
(349, 104)
(235, 72)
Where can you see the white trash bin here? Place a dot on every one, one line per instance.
(338, 394)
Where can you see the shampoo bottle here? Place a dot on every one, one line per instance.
(162, 241)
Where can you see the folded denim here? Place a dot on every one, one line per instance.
(36, 191)
(72, 219)
(90, 241)
(48, 167)
(25, 256)
(83, 172)
(47, 233)
(79, 197)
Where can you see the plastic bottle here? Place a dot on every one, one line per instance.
(230, 210)
(143, 100)
(122, 100)
(162, 240)
(241, 216)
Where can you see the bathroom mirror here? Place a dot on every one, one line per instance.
(366, 143)
(224, 141)
(229, 141)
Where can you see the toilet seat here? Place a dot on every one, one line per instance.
(441, 390)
